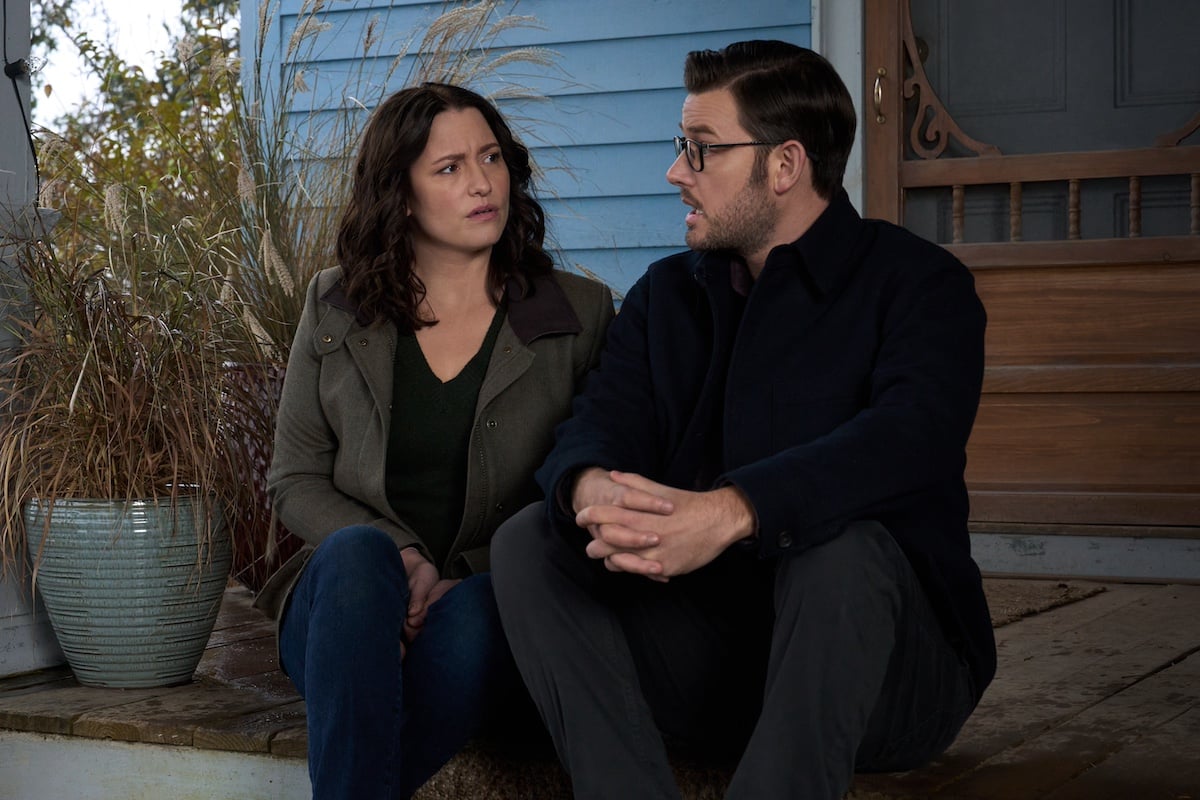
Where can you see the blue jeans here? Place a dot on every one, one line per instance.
(378, 725)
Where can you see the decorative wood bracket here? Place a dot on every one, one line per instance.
(938, 128)
(1173, 138)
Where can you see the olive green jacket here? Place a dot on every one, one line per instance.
(330, 461)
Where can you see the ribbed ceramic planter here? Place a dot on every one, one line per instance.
(130, 594)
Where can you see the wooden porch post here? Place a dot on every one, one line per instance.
(883, 109)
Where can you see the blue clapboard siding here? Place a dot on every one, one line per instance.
(601, 137)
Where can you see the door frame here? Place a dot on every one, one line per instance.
(1111, 551)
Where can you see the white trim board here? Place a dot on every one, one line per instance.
(34, 766)
(1152, 559)
(837, 34)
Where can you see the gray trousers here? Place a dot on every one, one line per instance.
(809, 667)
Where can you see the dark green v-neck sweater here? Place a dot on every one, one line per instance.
(427, 444)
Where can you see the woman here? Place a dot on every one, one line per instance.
(426, 378)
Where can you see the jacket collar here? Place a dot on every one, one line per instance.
(336, 297)
(824, 250)
(821, 253)
(543, 310)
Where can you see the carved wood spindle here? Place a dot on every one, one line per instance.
(1135, 207)
(1014, 212)
(1196, 204)
(959, 215)
(1073, 209)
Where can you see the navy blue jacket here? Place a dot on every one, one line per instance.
(842, 387)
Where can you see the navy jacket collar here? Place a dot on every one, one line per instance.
(543, 310)
(826, 249)
(823, 253)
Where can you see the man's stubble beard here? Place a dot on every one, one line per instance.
(746, 224)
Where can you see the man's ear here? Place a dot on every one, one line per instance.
(792, 166)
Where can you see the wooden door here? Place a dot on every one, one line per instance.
(1052, 145)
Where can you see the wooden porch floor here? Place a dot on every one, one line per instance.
(1098, 699)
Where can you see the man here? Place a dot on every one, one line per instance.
(755, 529)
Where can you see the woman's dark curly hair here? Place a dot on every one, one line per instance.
(374, 242)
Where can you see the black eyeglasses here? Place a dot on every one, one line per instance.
(696, 150)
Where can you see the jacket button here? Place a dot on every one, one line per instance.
(327, 338)
(499, 506)
(785, 540)
(362, 342)
(491, 423)
(507, 349)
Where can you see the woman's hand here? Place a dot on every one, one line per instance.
(439, 590)
(416, 621)
(422, 578)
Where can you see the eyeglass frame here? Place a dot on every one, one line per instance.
(681, 146)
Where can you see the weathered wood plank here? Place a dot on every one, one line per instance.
(171, 718)
(1105, 653)
(55, 710)
(291, 742)
(251, 732)
(1054, 666)
(272, 682)
(1098, 734)
(229, 662)
(233, 634)
(237, 610)
(1162, 764)
(36, 681)
(1037, 632)
(232, 638)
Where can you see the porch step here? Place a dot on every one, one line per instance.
(1098, 698)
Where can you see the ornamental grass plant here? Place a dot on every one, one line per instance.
(119, 385)
(122, 382)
